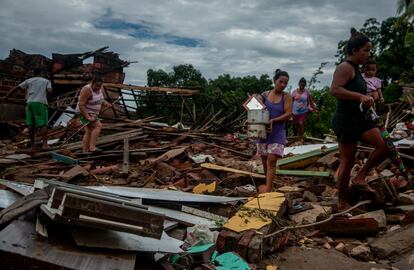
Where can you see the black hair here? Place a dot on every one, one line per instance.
(356, 42)
(302, 80)
(96, 79)
(370, 62)
(37, 71)
(279, 73)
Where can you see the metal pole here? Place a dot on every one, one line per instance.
(125, 164)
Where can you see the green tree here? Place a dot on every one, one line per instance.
(314, 79)
(405, 8)
(158, 78)
(182, 76)
(186, 76)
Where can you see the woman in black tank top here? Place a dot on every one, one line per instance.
(349, 123)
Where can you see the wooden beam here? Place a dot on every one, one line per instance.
(226, 169)
(301, 173)
(154, 89)
(64, 81)
(303, 160)
(125, 163)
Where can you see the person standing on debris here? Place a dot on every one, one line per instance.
(373, 83)
(302, 105)
(349, 123)
(89, 105)
(37, 117)
(279, 104)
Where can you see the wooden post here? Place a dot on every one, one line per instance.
(125, 164)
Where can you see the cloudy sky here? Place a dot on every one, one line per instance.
(217, 36)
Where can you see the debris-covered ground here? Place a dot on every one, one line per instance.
(171, 197)
(158, 197)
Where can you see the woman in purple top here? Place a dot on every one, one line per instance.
(302, 105)
(279, 105)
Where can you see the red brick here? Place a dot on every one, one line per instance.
(243, 244)
(227, 241)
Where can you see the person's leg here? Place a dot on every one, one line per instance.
(372, 137)
(96, 130)
(301, 129)
(347, 159)
(295, 126)
(264, 162)
(30, 123)
(45, 122)
(271, 171)
(86, 139)
(32, 135)
(43, 133)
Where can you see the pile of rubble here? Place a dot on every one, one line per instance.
(184, 199)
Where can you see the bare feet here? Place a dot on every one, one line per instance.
(361, 184)
(343, 206)
(45, 147)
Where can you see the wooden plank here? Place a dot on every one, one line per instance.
(74, 172)
(65, 81)
(21, 248)
(228, 149)
(360, 227)
(302, 173)
(152, 89)
(226, 169)
(101, 140)
(125, 163)
(303, 160)
(167, 156)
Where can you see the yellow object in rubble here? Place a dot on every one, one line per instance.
(246, 220)
(203, 188)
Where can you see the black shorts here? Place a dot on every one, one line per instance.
(349, 127)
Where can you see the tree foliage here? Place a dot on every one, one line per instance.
(182, 76)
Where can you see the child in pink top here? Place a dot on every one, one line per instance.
(373, 83)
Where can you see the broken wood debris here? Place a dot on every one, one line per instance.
(148, 182)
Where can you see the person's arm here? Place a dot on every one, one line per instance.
(49, 87)
(84, 96)
(105, 104)
(14, 89)
(380, 95)
(311, 103)
(342, 75)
